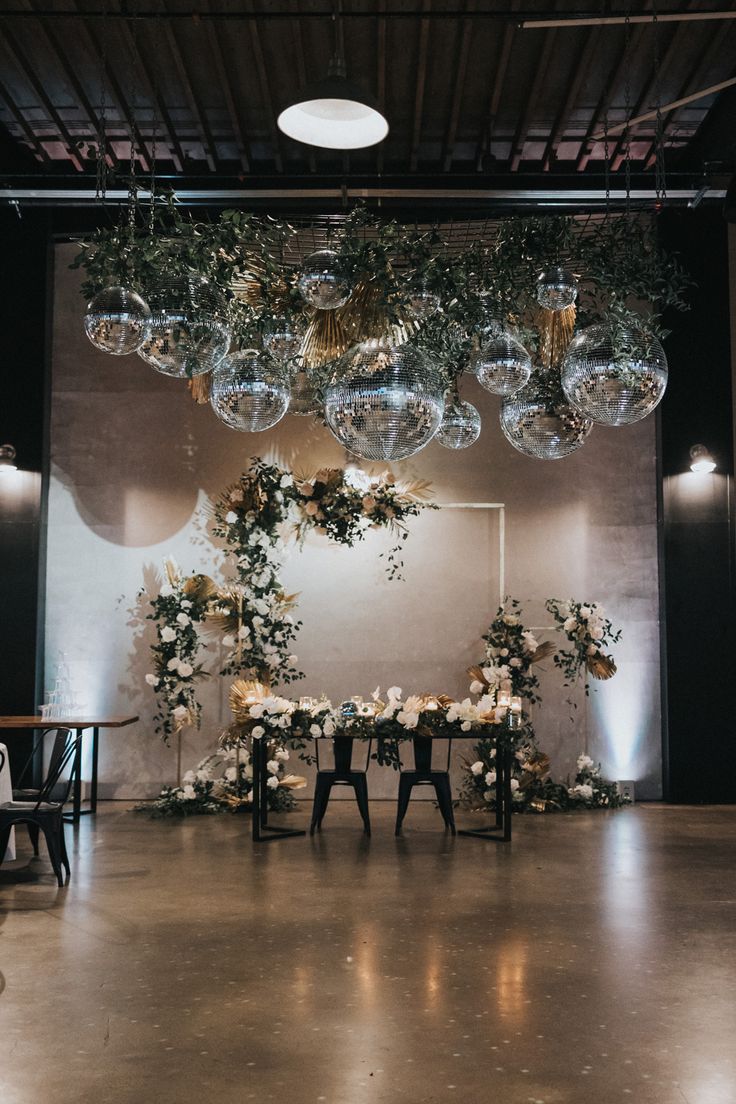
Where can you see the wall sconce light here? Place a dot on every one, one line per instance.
(7, 459)
(701, 460)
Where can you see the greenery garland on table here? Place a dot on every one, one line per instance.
(251, 609)
(255, 262)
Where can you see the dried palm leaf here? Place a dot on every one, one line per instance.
(476, 673)
(200, 588)
(200, 388)
(293, 782)
(243, 694)
(601, 667)
(325, 340)
(543, 652)
(555, 334)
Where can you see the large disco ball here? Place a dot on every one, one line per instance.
(384, 402)
(556, 289)
(614, 389)
(460, 426)
(421, 301)
(499, 360)
(304, 400)
(323, 282)
(188, 333)
(117, 321)
(539, 427)
(250, 391)
(282, 339)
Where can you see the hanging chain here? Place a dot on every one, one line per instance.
(606, 151)
(101, 164)
(660, 177)
(627, 112)
(152, 178)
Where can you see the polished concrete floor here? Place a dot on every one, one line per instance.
(592, 960)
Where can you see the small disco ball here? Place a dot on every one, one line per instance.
(117, 321)
(303, 401)
(323, 282)
(536, 428)
(421, 301)
(500, 361)
(613, 389)
(188, 333)
(556, 289)
(384, 402)
(460, 427)
(281, 339)
(250, 391)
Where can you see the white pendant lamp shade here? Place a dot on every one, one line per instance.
(335, 114)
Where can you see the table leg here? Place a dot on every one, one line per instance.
(262, 830)
(95, 754)
(77, 768)
(501, 830)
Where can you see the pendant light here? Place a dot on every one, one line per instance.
(334, 113)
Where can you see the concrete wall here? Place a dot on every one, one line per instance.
(134, 462)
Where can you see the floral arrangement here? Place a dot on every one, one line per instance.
(252, 611)
(590, 633)
(223, 782)
(177, 609)
(511, 651)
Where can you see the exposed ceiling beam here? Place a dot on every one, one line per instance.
(619, 20)
(580, 72)
(461, 69)
(540, 75)
(227, 91)
(498, 83)
(421, 80)
(301, 70)
(693, 98)
(381, 74)
(271, 113)
(29, 134)
(204, 133)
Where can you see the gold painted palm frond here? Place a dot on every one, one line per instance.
(173, 573)
(200, 388)
(476, 673)
(200, 588)
(243, 693)
(601, 667)
(544, 651)
(325, 340)
(293, 782)
(555, 334)
(287, 601)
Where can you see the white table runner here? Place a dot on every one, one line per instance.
(6, 794)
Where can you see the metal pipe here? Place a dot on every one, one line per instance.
(619, 128)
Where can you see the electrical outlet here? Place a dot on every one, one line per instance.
(626, 789)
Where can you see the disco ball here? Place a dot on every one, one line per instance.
(188, 333)
(250, 391)
(304, 401)
(323, 282)
(614, 390)
(281, 339)
(421, 301)
(500, 361)
(460, 427)
(537, 427)
(117, 321)
(384, 402)
(556, 289)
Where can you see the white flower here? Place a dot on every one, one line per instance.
(231, 774)
(476, 687)
(394, 693)
(511, 619)
(258, 731)
(583, 790)
(273, 782)
(183, 619)
(466, 726)
(490, 778)
(477, 768)
(488, 795)
(273, 766)
(189, 776)
(569, 624)
(315, 730)
(236, 495)
(256, 710)
(585, 612)
(261, 606)
(202, 776)
(368, 503)
(188, 793)
(257, 622)
(328, 727)
(292, 660)
(186, 604)
(591, 650)
(407, 719)
(180, 713)
(168, 634)
(530, 641)
(152, 680)
(185, 670)
(231, 517)
(173, 664)
(306, 489)
(585, 763)
(515, 662)
(286, 480)
(514, 785)
(312, 508)
(243, 631)
(228, 640)
(281, 754)
(166, 591)
(504, 652)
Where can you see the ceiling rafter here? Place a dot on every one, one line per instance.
(257, 47)
(198, 114)
(416, 132)
(540, 75)
(461, 69)
(241, 141)
(381, 75)
(579, 73)
(16, 52)
(631, 43)
(22, 123)
(499, 80)
(301, 70)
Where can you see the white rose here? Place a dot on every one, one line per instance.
(569, 624)
(186, 604)
(394, 693)
(183, 619)
(515, 662)
(152, 680)
(584, 791)
(231, 774)
(584, 762)
(585, 612)
(231, 517)
(258, 731)
(504, 652)
(173, 664)
(261, 606)
(328, 727)
(292, 660)
(257, 622)
(228, 641)
(477, 768)
(514, 785)
(185, 670)
(591, 650)
(189, 776)
(243, 631)
(407, 720)
(166, 591)
(286, 480)
(188, 793)
(466, 726)
(368, 503)
(273, 782)
(281, 754)
(490, 778)
(488, 795)
(256, 710)
(306, 489)
(315, 730)
(272, 766)
(312, 508)
(168, 634)
(476, 687)
(180, 713)
(203, 776)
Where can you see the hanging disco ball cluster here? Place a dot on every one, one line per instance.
(385, 397)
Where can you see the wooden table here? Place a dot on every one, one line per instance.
(79, 724)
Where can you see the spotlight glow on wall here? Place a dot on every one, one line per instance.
(701, 459)
(7, 459)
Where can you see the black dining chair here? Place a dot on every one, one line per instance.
(424, 775)
(343, 774)
(31, 793)
(47, 811)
